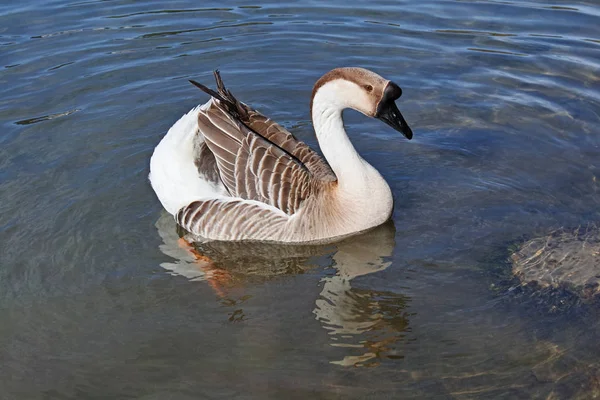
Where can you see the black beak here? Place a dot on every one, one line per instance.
(388, 112)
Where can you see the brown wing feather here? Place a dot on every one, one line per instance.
(230, 219)
(270, 130)
(250, 166)
(277, 134)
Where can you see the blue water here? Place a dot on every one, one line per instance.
(98, 300)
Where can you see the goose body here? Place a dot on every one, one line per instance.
(227, 172)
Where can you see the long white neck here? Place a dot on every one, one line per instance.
(347, 164)
(362, 191)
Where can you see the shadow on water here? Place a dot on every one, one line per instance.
(370, 324)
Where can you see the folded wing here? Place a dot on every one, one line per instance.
(256, 158)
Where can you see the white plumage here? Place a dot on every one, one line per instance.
(226, 172)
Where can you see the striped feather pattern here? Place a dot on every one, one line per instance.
(270, 130)
(250, 166)
(278, 135)
(231, 219)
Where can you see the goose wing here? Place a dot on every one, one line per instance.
(280, 136)
(265, 164)
(270, 130)
(231, 219)
(250, 166)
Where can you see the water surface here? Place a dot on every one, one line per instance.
(99, 300)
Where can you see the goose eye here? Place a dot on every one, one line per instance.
(368, 88)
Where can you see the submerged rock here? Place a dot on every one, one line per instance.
(565, 259)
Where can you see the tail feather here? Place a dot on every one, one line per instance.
(173, 172)
(233, 105)
(207, 90)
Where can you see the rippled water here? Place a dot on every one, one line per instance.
(98, 299)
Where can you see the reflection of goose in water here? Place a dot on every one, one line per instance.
(240, 260)
(357, 318)
(364, 321)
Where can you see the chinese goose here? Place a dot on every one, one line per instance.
(227, 172)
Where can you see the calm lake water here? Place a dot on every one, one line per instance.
(98, 300)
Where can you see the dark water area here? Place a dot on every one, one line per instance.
(98, 299)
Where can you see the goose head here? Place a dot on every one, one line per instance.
(363, 91)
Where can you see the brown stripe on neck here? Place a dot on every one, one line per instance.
(360, 76)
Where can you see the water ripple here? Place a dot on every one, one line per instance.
(173, 11)
(504, 101)
(48, 117)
